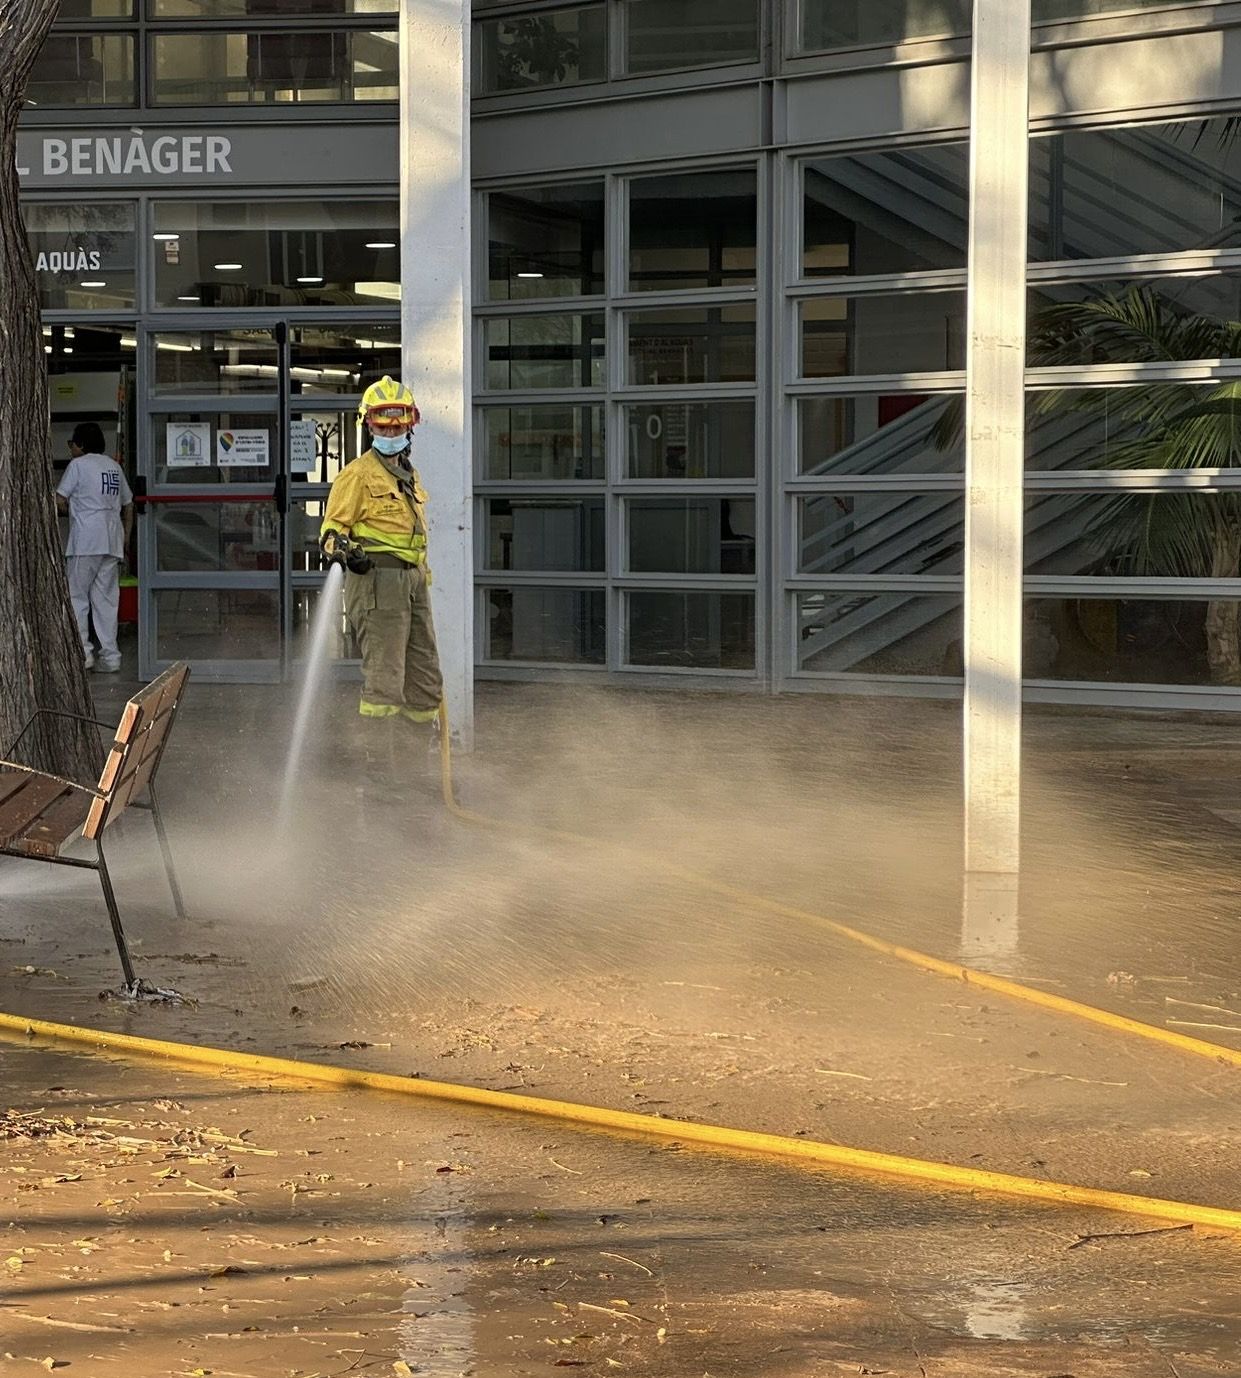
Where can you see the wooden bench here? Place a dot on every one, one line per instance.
(41, 814)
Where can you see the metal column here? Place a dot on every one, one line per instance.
(435, 317)
(995, 432)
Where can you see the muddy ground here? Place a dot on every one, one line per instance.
(158, 1221)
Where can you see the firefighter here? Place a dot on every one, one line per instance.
(375, 525)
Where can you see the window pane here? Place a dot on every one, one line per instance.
(846, 23)
(881, 533)
(666, 34)
(205, 536)
(1132, 640)
(341, 643)
(215, 361)
(269, 9)
(696, 229)
(1161, 535)
(879, 633)
(541, 533)
(557, 351)
(903, 432)
(217, 624)
(907, 332)
(248, 68)
(1188, 317)
(321, 443)
(687, 440)
(545, 242)
(701, 631)
(290, 253)
(543, 442)
(83, 254)
(706, 535)
(83, 69)
(334, 359)
(95, 9)
(185, 446)
(546, 625)
(1144, 189)
(897, 212)
(91, 373)
(710, 344)
(1045, 11)
(523, 52)
(1152, 426)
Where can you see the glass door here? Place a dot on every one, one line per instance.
(211, 460)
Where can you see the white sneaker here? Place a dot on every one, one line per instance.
(90, 660)
(108, 667)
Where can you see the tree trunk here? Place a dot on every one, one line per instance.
(41, 662)
(1223, 634)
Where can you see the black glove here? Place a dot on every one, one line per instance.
(340, 550)
(357, 561)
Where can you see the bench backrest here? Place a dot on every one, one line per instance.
(140, 739)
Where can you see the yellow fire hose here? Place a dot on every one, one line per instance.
(626, 1122)
(984, 980)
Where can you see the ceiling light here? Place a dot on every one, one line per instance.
(227, 267)
(166, 236)
(310, 279)
(47, 330)
(66, 349)
(529, 275)
(92, 284)
(69, 332)
(381, 244)
(187, 298)
(47, 349)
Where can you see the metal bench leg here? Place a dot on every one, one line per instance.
(118, 932)
(177, 901)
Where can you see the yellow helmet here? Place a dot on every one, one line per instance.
(389, 404)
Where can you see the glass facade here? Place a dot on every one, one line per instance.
(718, 418)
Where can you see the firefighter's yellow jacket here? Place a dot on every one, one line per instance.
(367, 504)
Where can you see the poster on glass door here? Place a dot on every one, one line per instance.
(302, 445)
(188, 445)
(245, 448)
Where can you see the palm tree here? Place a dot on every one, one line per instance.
(1164, 426)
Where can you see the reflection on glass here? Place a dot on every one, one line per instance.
(189, 363)
(879, 633)
(321, 443)
(707, 344)
(690, 630)
(1133, 640)
(274, 9)
(851, 23)
(217, 624)
(543, 442)
(546, 625)
(332, 359)
(881, 533)
(906, 332)
(663, 35)
(545, 241)
(687, 440)
(1045, 11)
(693, 229)
(261, 68)
(95, 9)
(896, 433)
(285, 253)
(1147, 188)
(83, 253)
(93, 356)
(305, 517)
(186, 446)
(209, 536)
(901, 211)
(706, 535)
(523, 52)
(83, 69)
(542, 533)
(544, 351)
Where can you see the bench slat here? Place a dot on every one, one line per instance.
(10, 782)
(22, 809)
(55, 825)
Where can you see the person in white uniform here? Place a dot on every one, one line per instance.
(101, 515)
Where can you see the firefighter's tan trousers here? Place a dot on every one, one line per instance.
(389, 610)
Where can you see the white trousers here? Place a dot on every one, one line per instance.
(95, 592)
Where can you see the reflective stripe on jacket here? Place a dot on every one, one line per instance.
(367, 504)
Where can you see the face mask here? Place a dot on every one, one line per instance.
(390, 444)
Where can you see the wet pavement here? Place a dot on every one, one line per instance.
(378, 931)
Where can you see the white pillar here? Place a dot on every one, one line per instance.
(435, 317)
(995, 432)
